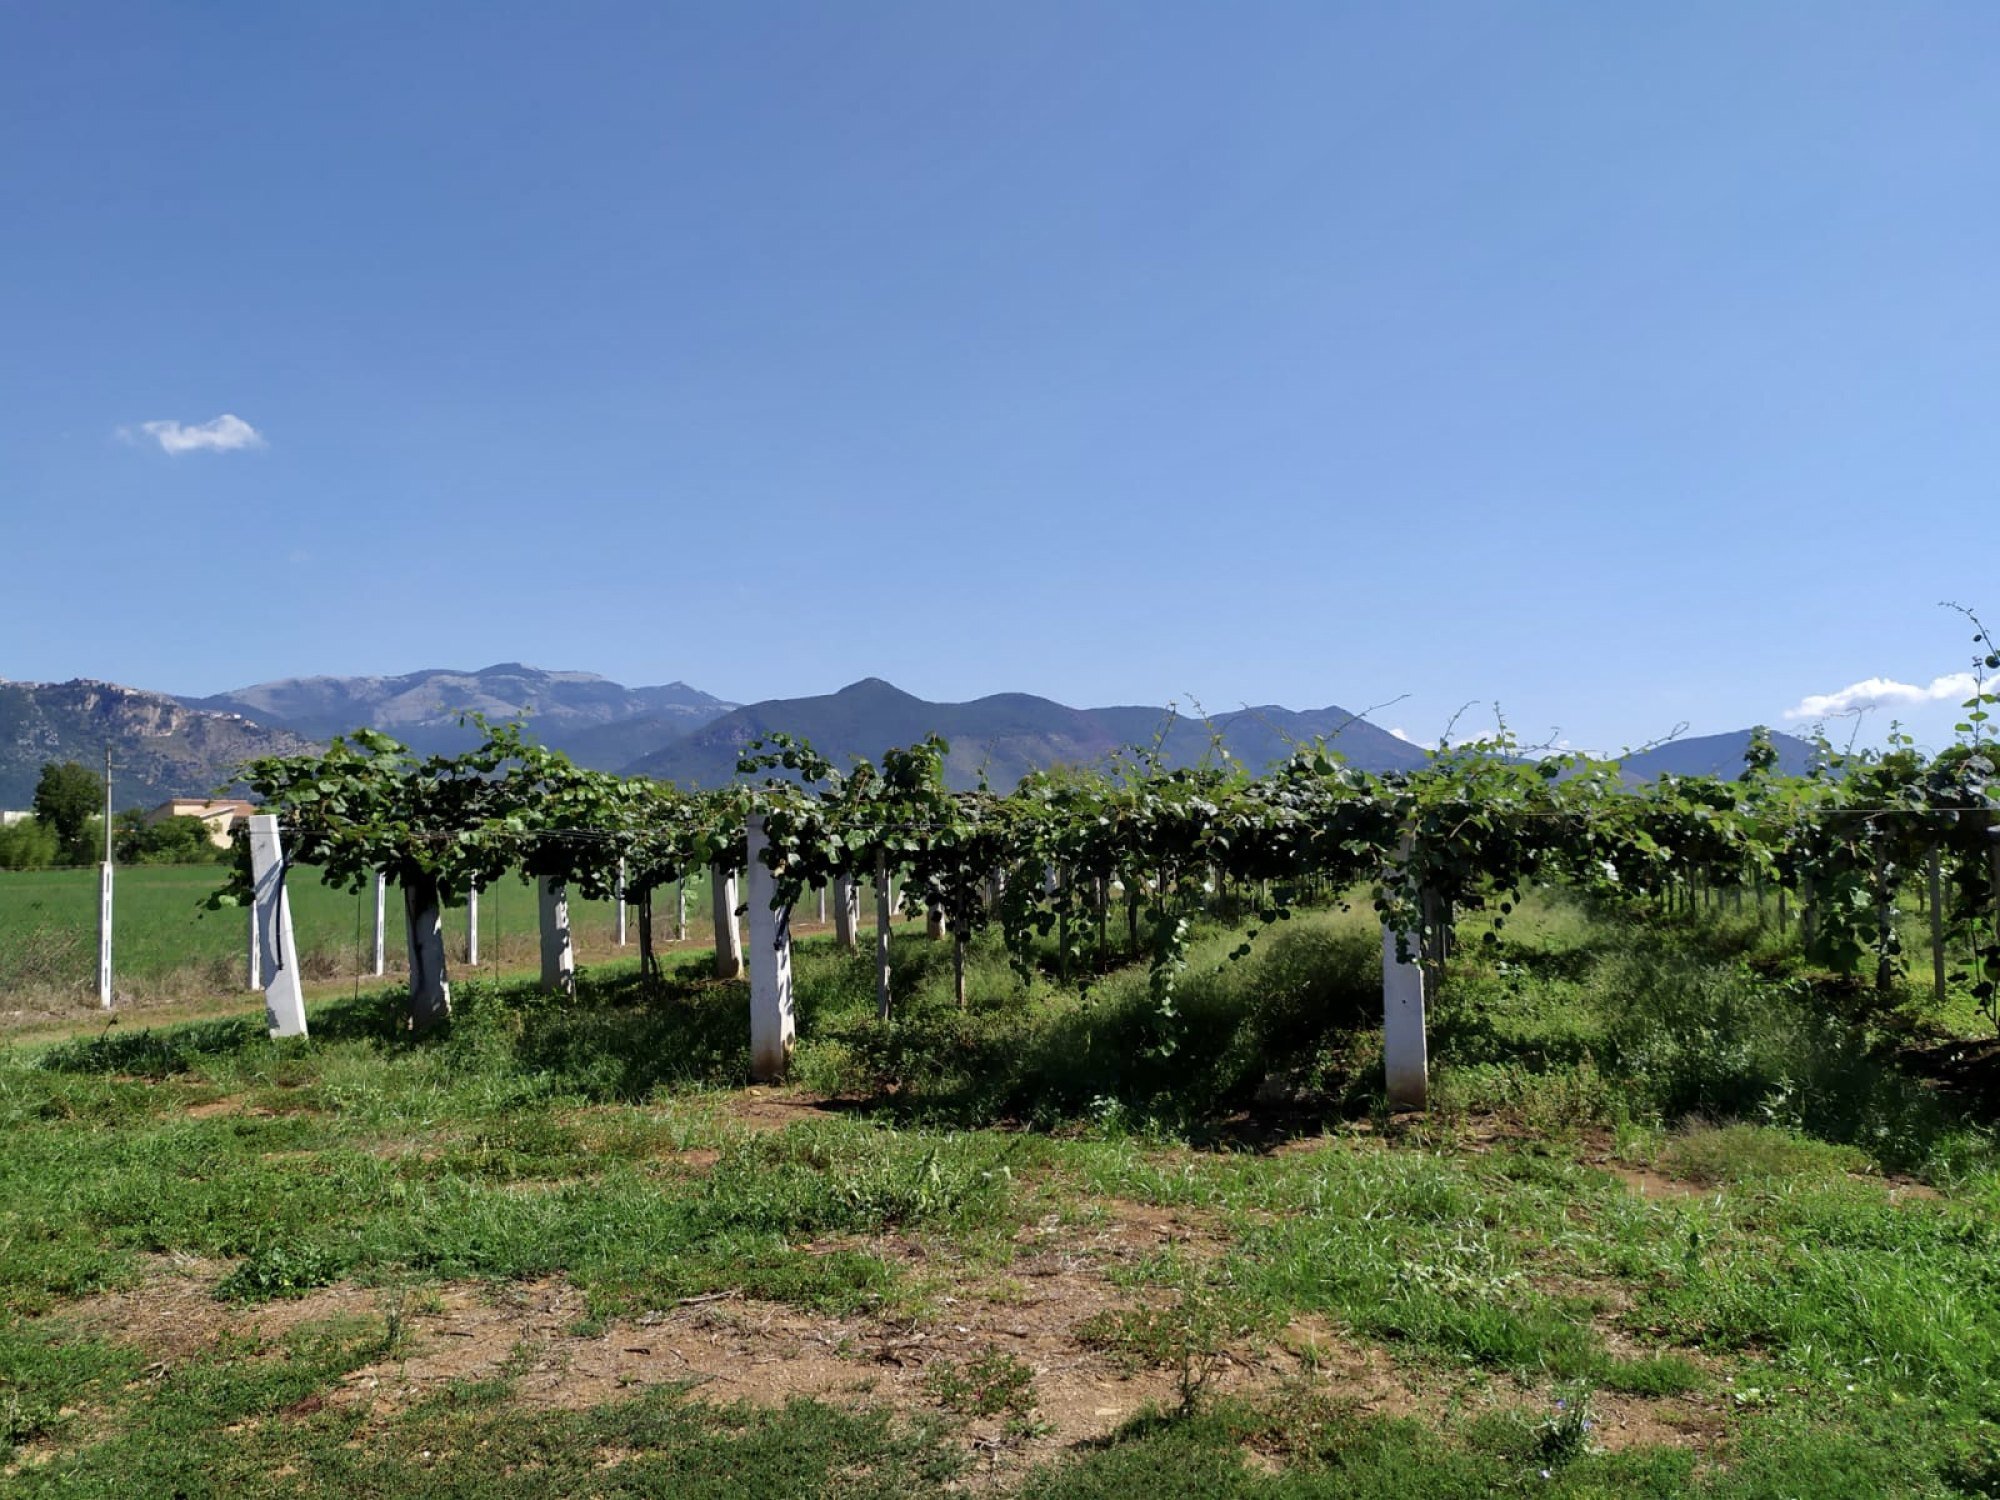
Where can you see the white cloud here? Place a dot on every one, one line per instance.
(1882, 692)
(225, 434)
(1398, 733)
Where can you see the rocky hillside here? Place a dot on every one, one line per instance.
(569, 711)
(160, 747)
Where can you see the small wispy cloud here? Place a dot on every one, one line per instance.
(1399, 734)
(225, 434)
(1882, 692)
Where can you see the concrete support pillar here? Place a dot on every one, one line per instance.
(846, 911)
(883, 909)
(771, 1016)
(728, 937)
(278, 955)
(1405, 1060)
(558, 952)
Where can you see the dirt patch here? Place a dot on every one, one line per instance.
(1647, 1422)
(1647, 1183)
(1903, 1189)
(538, 1336)
(761, 1109)
(174, 1314)
(1136, 1229)
(232, 1104)
(1361, 1375)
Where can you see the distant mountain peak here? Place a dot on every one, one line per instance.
(566, 709)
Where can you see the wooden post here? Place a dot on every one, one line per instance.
(472, 926)
(771, 1015)
(728, 938)
(558, 952)
(846, 911)
(381, 920)
(1405, 1061)
(278, 955)
(882, 909)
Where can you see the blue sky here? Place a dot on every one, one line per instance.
(1627, 365)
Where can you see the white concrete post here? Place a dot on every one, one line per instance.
(256, 979)
(728, 936)
(104, 936)
(1405, 1062)
(381, 920)
(771, 1016)
(821, 893)
(284, 1002)
(846, 911)
(472, 926)
(558, 954)
(621, 903)
(681, 910)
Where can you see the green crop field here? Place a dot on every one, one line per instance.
(168, 946)
(1684, 1218)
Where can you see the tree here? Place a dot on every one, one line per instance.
(27, 845)
(66, 798)
(171, 841)
(437, 825)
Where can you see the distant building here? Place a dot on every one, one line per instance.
(222, 815)
(9, 819)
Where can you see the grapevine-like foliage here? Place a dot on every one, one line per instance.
(1054, 860)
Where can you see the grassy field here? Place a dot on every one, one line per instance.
(1684, 1219)
(168, 948)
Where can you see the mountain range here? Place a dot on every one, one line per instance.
(424, 709)
(160, 747)
(166, 746)
(1009, 734)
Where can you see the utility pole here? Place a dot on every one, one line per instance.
(104, 898)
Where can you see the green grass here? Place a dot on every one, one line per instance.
(1814, 1324)
(168, 947)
